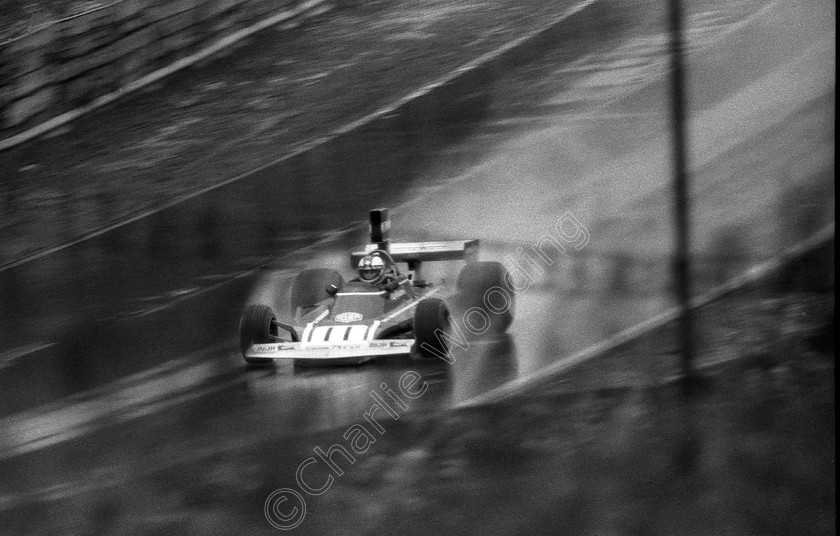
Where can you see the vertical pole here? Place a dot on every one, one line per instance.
(682, 274)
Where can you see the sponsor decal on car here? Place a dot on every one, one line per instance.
(391, 344)
(349, 317)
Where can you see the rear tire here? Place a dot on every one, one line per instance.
(474, 282)
(431, 319)
(310, 287)
(255, 328)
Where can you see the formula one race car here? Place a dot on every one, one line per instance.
(387, 309)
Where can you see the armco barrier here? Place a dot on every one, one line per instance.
(98, 55)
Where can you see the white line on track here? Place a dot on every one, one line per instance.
(6, 358)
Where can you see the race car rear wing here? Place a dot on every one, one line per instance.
(413, 252)
(416, 252)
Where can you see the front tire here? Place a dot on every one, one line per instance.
(431, 320)
(255, 328)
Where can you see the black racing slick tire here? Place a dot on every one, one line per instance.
(485, 285)
(431, 320)
(255, 328)
(310, 287)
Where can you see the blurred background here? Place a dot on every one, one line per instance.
(163, 161)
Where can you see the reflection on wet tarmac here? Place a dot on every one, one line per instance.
(321, 398)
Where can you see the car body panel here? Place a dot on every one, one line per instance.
(343, 328)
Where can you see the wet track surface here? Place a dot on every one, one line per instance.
(587, 145)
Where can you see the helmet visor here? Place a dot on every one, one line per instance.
(369, 274)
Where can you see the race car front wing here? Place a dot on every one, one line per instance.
(334, 350)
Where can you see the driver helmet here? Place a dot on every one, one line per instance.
(371, 269)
